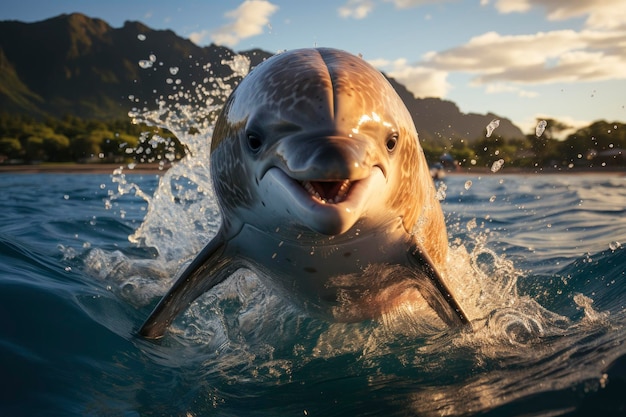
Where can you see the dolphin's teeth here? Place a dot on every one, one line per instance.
(343, 190)
(331, 192)
(309, 187)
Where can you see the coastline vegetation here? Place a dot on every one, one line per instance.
(27, 140)
(601, 144)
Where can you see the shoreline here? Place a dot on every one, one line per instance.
(155, 168)
(76, 168)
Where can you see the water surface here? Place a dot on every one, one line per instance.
(536, 260)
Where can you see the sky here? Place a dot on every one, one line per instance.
(521, 59)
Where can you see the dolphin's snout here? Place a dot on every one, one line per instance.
(327, 159)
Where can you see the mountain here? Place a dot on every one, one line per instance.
(438, 120)
(74, 64)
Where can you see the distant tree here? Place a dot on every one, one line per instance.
(462, 154)
(56, 148)
(86, 146)
(545, 150)
(116, 144)
(553, 128)
(34, 149)
(601, 138)
(11, 148)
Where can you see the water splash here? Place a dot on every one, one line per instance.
(182, 214)
(242, 331)
(441, 191)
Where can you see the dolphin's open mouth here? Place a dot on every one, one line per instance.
(326, 206)
(329, 192)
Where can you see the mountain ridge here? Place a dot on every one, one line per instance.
(75, 64)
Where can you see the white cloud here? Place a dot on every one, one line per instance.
(405, 4)
(510, 63)
(545, 57)
(356, 9)
(247, 20)
(601, 14)
(360, 9)
(419, 80)
(498, 88)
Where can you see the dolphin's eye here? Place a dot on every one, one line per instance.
(392, 141)
(254, 142)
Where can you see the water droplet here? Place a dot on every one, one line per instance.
(441, 192)
(615, 245)
(141, 37)
(145, 64)
(492, 199)
(468, 184)
(173, 70)
(541, 127)
(604, 379)
(492, 126)
(66, 197)
(497, 165)
(240, 65)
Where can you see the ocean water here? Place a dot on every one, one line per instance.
(536, 261)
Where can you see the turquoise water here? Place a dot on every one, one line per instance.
(536, 261)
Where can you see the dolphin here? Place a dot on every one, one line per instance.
(325, 194)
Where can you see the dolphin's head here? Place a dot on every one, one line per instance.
(312, 149)
(317, 139)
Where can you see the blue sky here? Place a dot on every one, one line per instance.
(521, 59)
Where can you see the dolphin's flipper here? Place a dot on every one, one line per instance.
(208, 269)
(434, 289)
